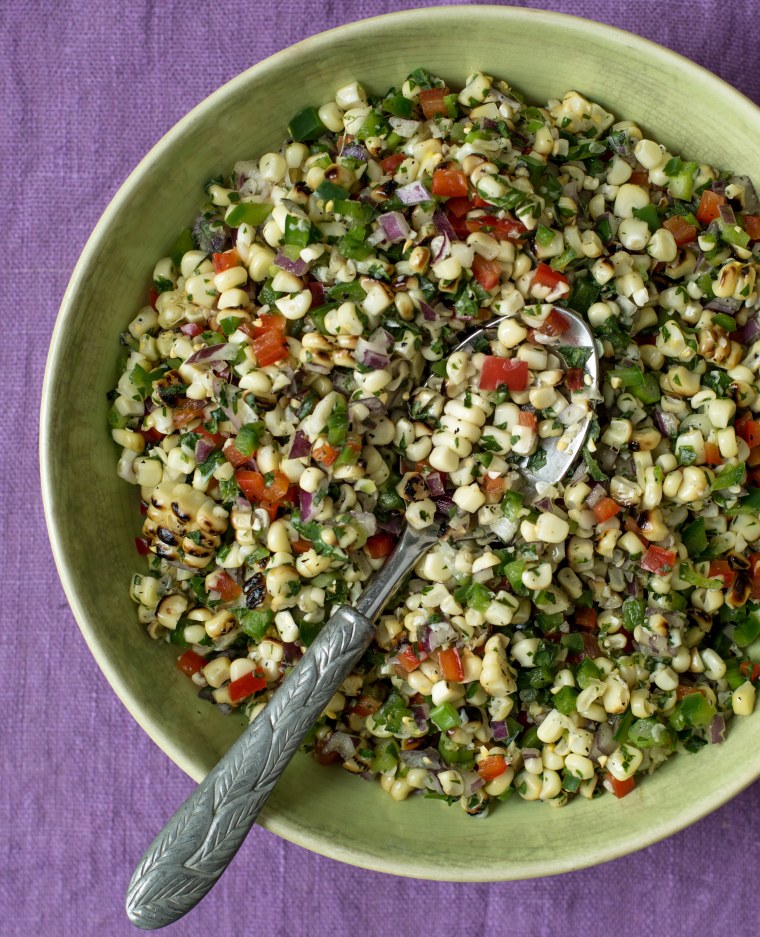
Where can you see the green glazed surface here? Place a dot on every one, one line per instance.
(326, 810)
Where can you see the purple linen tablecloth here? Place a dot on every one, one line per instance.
(86, 90)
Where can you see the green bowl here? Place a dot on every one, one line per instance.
(92, 515)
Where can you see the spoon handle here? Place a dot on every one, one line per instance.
(194, 848)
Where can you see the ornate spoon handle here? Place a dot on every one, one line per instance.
(194, 848)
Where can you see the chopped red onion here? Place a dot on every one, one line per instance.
(443, 225)
(667, 423)
(301, 446)
(749, 332)
(391, 526)
(436, 484)
(499, 730)
(355, 151)
(291, 651)
(597, 493)
(727, 215)
(727, 305)
(371, 355)
(604, 741)
(718, 730)
(203, 449)
(428, 313)
(341, 743)
(224, 352)
(306, 504)
(444, 504)
(191, 329)
(421, 715)
(413, 194)
(375, 406)
(441, 247)
(395, 226)
(422, 758)
(530, 753)
(296, 267)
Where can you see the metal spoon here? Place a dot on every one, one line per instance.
(196, 845)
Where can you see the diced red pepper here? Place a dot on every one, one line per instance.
(191, 329)
(226, 260)
(380, 545)
(750, 670)
(503, 229)
(682, 231)
(752, 226)
(604, 509)
(528, 419)
(234, 456)
(709, 206)
(510, 372)
(142, 546)
(658, 561)
(432, 103)
(574, 378)
(325, 454)
(486, 272)
(391, 163)
(459, 206)
(721, 569)
(317, 291)
(748, 429)
(620, 788)
(492, 766)
(586, 618)
(269, 349)
(246, 686)
(554, 324)
(712, 454)
(226, 586)
(451, 665)
(449, 182)
(408, 660)
(151, 435)
(190, 663)
(547, 277)
(254, 486)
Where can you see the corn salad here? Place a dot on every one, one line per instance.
(291, 398)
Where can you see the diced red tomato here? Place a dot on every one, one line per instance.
(712, 454)
(188, 411)
(640, 177)
(391, 163)
(190, 663)
(151, 435)
(709, 206)
(510, 372)
(620, 788)
(451, 665)
(604, 509)
(493, 486)
(325, 454)
(232, 454)
(721, 569)
(191, 329)
(254, 486)
(546, 277)
(380, 544)
(459, 206)
(226, 260)
(492, 766)
(246, 686)
(152, 296)
(503, 229)
(682, 231)
(457, 222)
(528, 419)
(749, 430)
(408, 660)
(586, 618)
(574, 378)
(317, 291)
(750, 670)
(752, 226)
(449, 182)
(365, 706)
(658, 561)
(432, 103)
(301, 546)
(554, 324)
(226, 586)
(486, 272)
(142, 546)
(683, 690)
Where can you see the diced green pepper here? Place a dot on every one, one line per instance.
(565, 700)
(306, 125)
(252, 213)
(445, 716)
(587, 673)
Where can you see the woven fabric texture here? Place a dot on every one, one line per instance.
(85, 90)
